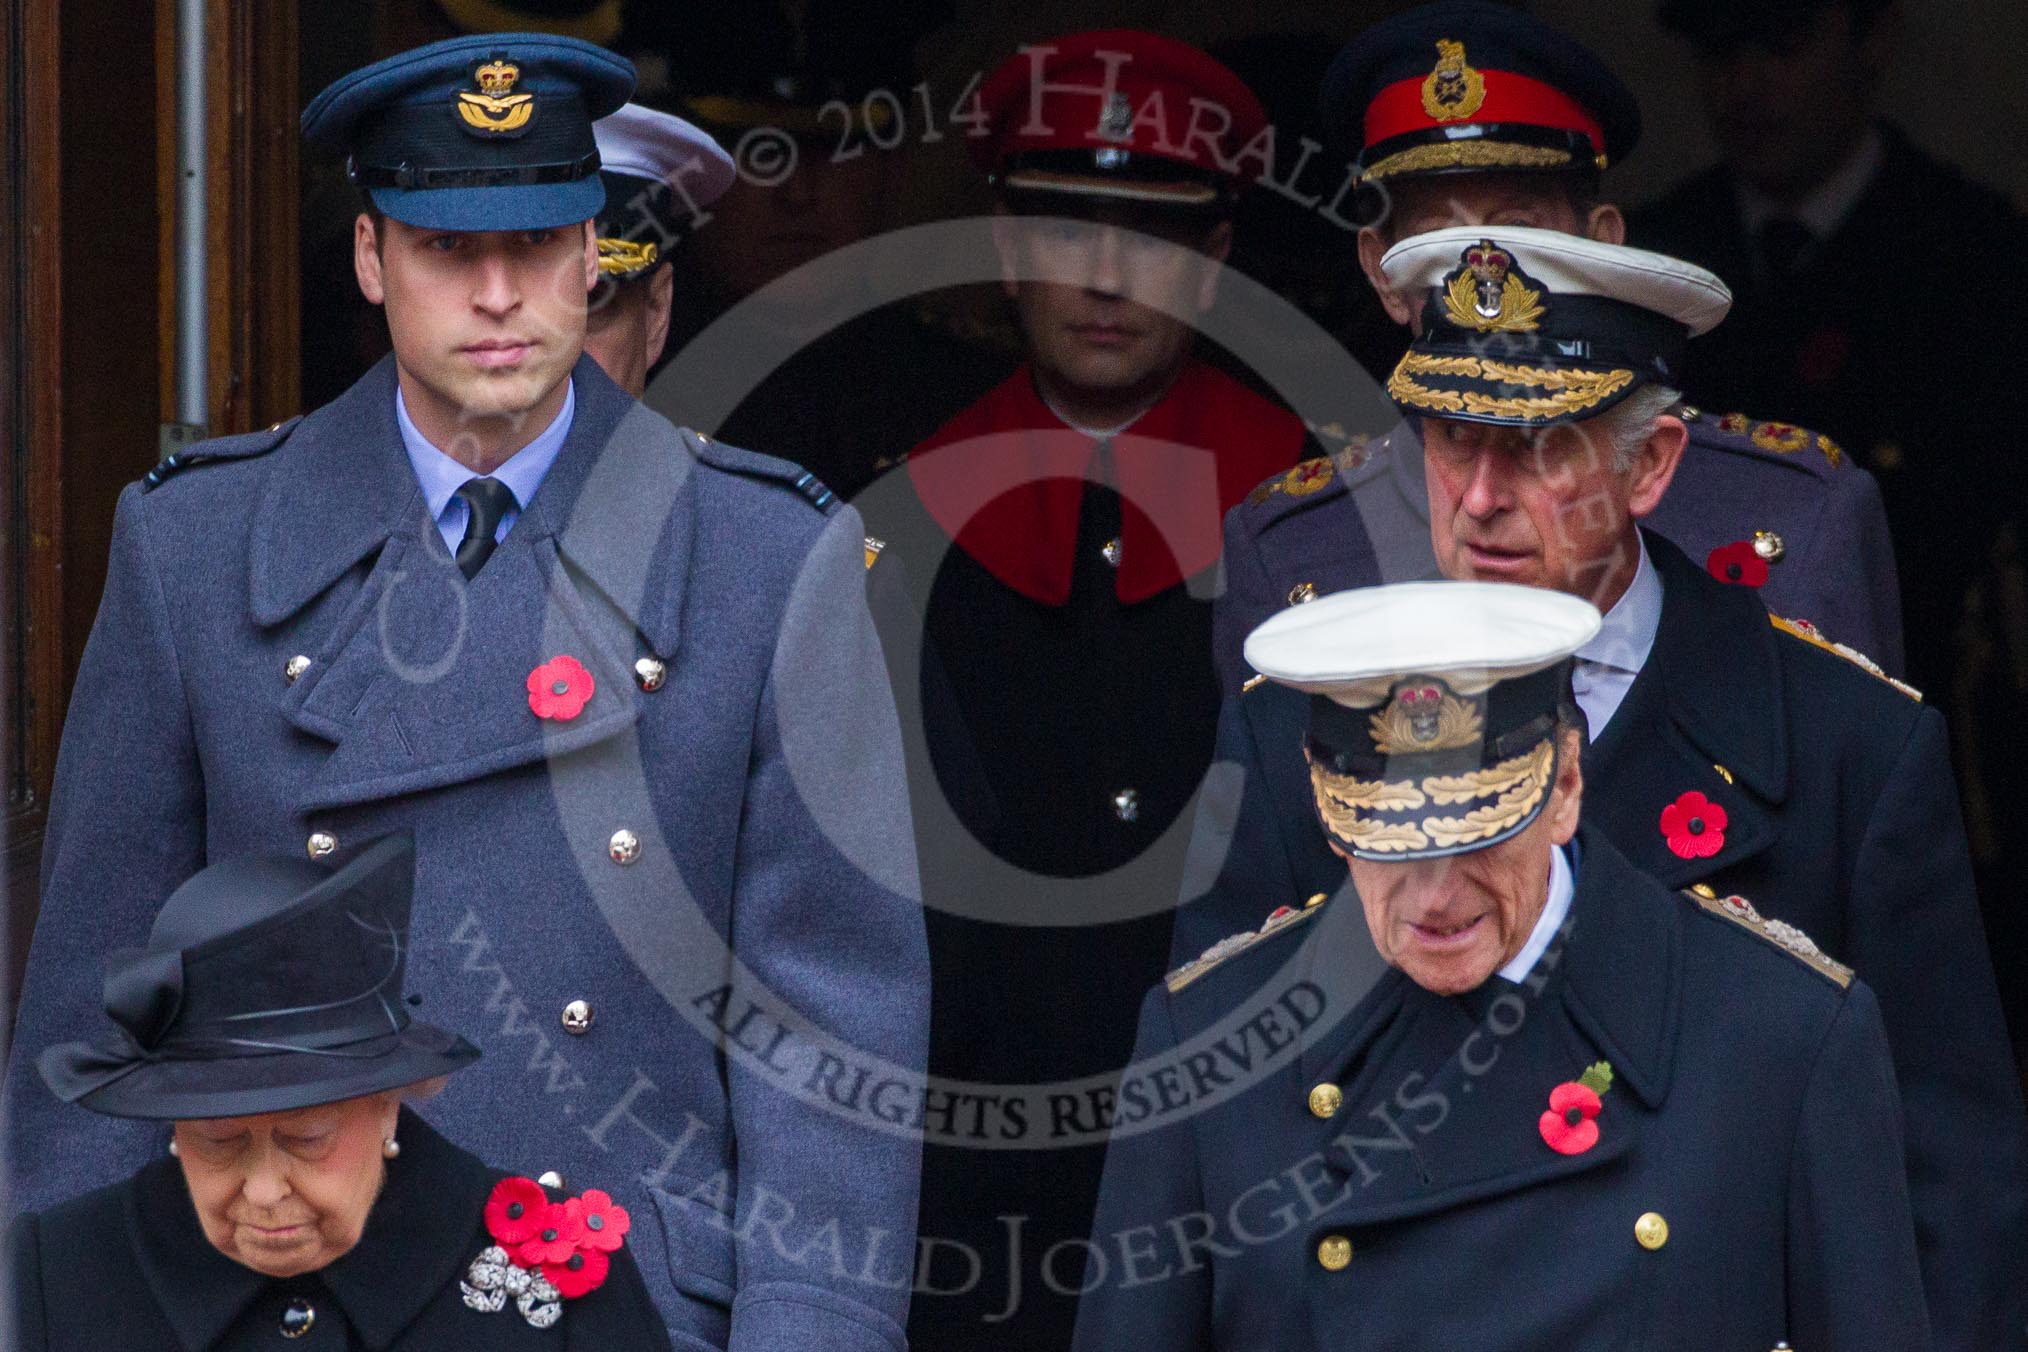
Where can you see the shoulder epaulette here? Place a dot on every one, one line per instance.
(1778, 439)
(1780, 933)
(1809, 633)
(754, 465)
(242, 446)
(1232, 945)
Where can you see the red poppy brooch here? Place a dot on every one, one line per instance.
(1739, 563)
(1570, 1126)
(543, 1252)
(1694, 826)
(560, 688)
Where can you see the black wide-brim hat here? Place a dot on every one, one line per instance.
(267, 985)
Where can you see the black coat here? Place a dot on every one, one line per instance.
(1842, 820)
(128, 1266)
(1751, 1111)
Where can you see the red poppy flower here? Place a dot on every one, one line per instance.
(582, 1272)
(1568, 1127)
(1694, 826)
(595, 1221)
(1738, 563)
(560, 688)
(514, 1211)
(551, 1242)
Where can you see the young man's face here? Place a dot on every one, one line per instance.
(1786, 145)
(488, 323)
(1116, 316)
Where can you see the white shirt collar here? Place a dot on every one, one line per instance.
(1830, 202)
(523, 471)
(1627, 635)
(1562, 886)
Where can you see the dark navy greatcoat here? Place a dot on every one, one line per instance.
(1369, 523)
(127, 1268)
(1745, 1187)
(713, 856)
(1842, 820)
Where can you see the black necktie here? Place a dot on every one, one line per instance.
(488, 501)
(1783, 242)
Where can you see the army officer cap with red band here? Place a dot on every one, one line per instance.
(1471, 86)
(1123, 115)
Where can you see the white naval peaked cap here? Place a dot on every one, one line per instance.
(1352, 646)
(643, 143)
(1569, 265)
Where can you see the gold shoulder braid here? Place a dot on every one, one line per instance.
(1780, 933)
(1281, 919)
(1809, 633)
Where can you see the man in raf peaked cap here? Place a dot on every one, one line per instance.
(616, 678)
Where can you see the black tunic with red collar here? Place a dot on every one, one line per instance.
(128, 1266)
(1066, 584)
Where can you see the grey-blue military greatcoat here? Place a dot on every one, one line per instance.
(680, 922)
(1363, 518)
(1385, 1180)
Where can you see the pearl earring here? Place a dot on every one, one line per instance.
(390, 1148)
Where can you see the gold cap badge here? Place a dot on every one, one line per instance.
(494, 109)
(1486, 293)
(1453, 91)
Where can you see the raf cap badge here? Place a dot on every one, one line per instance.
(1453, 91)
(1487, 293)
(494, 109)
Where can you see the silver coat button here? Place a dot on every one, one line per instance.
(624, 847)
(1127, 804)
(577, 1018)
(298, 1318)
(1111, 550)
(296, 667)
(321, 843)
(650, 672)
(549, 1178)
(1302, 593)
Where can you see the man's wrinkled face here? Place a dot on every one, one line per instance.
(1450, 923)
(1542, 508)
(487, 323)
(1117, 313)
(629, 325)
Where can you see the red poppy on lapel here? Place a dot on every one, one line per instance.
(560, 688)
(581, 1273)
(1569, 1127)
(595, 1221)
(1694, 826)
(1738, 563)
(514, 1211)
(550, 1243)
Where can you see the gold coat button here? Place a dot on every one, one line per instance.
(649, 673)
(577, 1018)
(1326, 1100)
(1651, 1231)
(624, 847)
(1768, 546)
(297, 665)
(1302, 592)
(1316, 899)
(1335, 1253)
(549, 1178)
(321, 843)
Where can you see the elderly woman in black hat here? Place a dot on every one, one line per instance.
(300, 1198)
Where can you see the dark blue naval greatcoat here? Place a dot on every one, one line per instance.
(749, 952)
(1751, 1112)
(1368, 522)
(1842, 820)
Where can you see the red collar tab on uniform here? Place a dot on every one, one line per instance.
(1403, 108)
(1005, 480)
(1126, 98)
